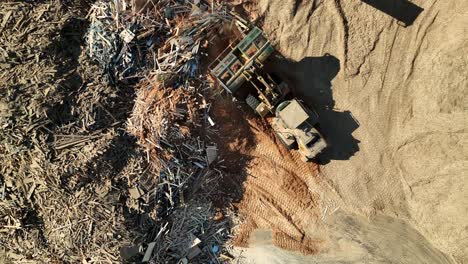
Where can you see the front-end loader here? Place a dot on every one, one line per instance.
(240, 71)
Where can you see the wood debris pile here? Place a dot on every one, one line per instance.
(170, 120)
(120, 39)
(127, 39)
(96, 169)
(202, 237)
(58, 127)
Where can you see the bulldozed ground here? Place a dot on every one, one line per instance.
(273, 185)
(78, 150)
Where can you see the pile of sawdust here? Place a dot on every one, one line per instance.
(277, 196)
(274, 185)
(390, 100)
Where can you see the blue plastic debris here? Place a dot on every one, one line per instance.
(215, 249)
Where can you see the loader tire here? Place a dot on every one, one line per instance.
(252, 102)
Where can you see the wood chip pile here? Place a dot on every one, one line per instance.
(105, 148)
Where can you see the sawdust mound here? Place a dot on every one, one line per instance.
(277, 196)
(275, 192)
(405, 87)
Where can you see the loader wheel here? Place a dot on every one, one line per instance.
(252, 102)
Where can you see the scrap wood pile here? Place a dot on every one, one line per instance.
(119, 40)
(193, 235)
(170, 120)
(80, 182)
(130, 40)
(56, 127)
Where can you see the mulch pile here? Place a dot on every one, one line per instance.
(105, 133)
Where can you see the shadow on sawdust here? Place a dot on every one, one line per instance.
(235, 140)
(402, 10)
(310, 80)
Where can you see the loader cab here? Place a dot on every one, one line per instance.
(295, 115)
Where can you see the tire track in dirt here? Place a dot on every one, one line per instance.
(344, 27)
(430, 18)
(277, 194)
